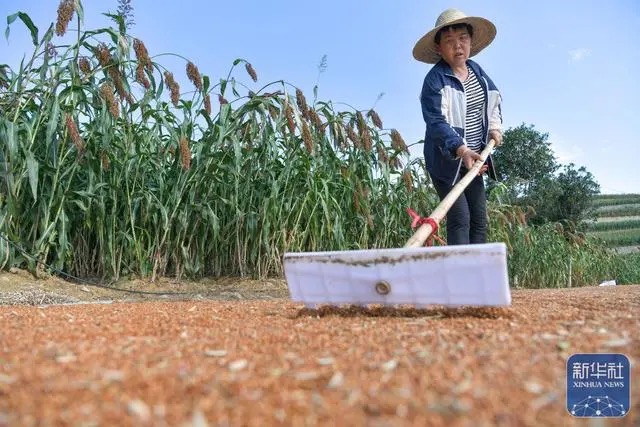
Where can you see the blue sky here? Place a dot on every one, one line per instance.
(567, 67)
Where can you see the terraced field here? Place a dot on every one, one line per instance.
(617, 221)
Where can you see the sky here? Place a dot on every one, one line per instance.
(567, 67)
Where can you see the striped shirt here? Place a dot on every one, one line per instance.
(475, 106)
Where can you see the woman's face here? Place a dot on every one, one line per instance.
(455, 46)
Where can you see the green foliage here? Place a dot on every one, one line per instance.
(566, 196)
(625, 237)
(527, 165)
(524, 158)
(622, 224)
(548, 255)
(615, 196)
(618, 210)
(627, 268)
(613, 200)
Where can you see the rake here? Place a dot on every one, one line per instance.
(452, 276)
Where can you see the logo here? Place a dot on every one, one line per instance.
(598, 385)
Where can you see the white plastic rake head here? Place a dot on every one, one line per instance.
(445, 276)
(422, 276)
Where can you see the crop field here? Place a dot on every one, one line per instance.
(617, 221)
(620, 210)
(620, 237)
(616, 200)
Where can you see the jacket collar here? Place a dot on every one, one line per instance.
(446, 68)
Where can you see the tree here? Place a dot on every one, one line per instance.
(524, 158)
(526, 164)
(566, 196)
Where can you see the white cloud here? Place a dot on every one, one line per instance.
(579, 54)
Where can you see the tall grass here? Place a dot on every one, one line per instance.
(550, 255)
(627, 268)
(111, 168)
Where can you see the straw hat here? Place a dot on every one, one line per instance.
(483, 34)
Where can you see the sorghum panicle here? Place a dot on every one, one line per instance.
(315, 118)
(395, 163)
(356, 197)
(142, 54)
(273, 112)
(302, 102)
(375, 118)
(306, 137)
(397, 142)
(116, 78)
(185, 153)
(382, 156)
(141, 77)
(353, 137)
(366, 139)
(222, 100)
(522, 218)
(103, 54)
(66, 9)
(84, 65)
(107, 94)
(290, 121)
(194, 75)
(370, 221)
(360, 122)
(104, 160)
(207, 104)
(251, 72)
(72, 128)
(407, 177)
(173, 87)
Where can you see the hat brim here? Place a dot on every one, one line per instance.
(483, 34)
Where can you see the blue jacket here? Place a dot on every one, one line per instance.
(443, 109)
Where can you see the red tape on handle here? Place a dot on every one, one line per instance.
(417, 221)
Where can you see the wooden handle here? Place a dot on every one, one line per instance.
(424, 231)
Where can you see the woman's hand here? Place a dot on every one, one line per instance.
(468, 156)
(496, 135)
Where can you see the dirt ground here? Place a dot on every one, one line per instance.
(19, 287)
(236, 353)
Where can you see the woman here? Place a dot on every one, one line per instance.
(461, 109)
